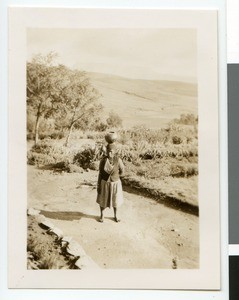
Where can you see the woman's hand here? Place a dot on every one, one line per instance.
(98, 189)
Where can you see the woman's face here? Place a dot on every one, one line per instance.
(110, 153)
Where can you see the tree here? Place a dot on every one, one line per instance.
(114, 120)
(55, 91)
(98, 124)
(45, 85)
(81, 102)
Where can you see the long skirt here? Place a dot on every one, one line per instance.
(111, 194)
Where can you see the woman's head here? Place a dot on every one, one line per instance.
(110, 150)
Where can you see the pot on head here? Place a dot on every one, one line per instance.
(111, 137)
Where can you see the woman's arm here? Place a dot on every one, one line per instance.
(99, 176)
(121, 167)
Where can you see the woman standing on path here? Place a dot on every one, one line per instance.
(109, 188)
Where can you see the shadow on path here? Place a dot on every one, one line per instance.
(67, 215)
(164, 199)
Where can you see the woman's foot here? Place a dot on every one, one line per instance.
(115, 214)
(101, 220)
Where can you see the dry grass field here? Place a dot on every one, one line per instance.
(148, 102)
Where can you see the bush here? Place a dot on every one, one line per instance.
(141, 133)
(146, 151)
(183, 170)
(31, 158)
(187, 119)
(95, 135)
(101, 127)
(114, 120)
(176, 140)
(34, 158)
(57, 135)
(50, 152)
(30, 136)
(94, 165)
(74, 169)
(87, 156)
(183, 134)
(61, 166)
(65, 166)
(43, 148)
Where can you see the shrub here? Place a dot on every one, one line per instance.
(101, 127)
(57, 135)
(74, 169)
(49, 152)
(114, 120)
(183, 170)
(178, 171)
(146, 151)
(30, 136)
(140, 133)
(90, 136)
(87, 156)
(97, 136)
(187, 119)
(183, 134)
(34, 158)
(31, 158)
(43, 148)
(64, 166)
(176, 140)
(94, 165)
(61, 166)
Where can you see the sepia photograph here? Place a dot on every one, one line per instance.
(112, 150)
(112, 116)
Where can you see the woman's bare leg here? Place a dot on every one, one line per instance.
(115, 215)
(101, 215)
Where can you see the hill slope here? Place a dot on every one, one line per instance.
(150, 102)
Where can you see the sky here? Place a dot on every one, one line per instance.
(153, 54)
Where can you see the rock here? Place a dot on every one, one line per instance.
(75, 249)
(57, 232)
(32, 265)
(40, 219)
(30, 256)
(174, 263)
(47, 224)
(180, 244)
(67, 239)
(86, 262)
(33, 212)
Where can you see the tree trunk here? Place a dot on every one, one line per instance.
(68, 135)
(37, 129)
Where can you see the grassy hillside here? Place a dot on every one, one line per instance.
(150, 102)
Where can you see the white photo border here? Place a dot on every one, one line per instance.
(207, 277)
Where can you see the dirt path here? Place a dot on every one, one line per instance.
(150, 235)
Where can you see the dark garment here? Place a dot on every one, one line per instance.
(117, 171)
(109, 189)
